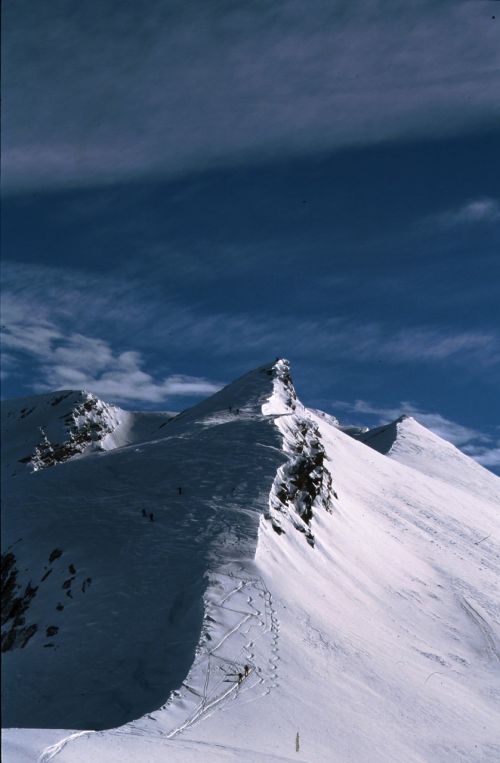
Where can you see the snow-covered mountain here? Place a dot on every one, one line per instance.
(43, 430)
(412, 444)
(245, 582)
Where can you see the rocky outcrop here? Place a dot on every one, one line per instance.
(88, 422)
(303, 484)
(15, 604)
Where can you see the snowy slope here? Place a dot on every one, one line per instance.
(410, 443)
(360, 590)
(117, 594)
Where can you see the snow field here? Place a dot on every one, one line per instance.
(360, 588)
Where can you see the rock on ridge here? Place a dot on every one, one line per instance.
(303, 484)
(52, 438)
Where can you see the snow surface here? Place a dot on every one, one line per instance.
(360, 589)
(412, 444)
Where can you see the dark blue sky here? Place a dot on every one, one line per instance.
(372, 264)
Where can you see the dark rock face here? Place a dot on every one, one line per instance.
(17, 596)
(304, 482)
(15, 604)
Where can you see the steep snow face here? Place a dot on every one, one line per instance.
(45, 430)
(410, 443)
(354, 431)
(333, 420)
(389, 627)
(349, 606)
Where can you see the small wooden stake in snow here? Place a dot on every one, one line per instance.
(480, 541)
(297, 742)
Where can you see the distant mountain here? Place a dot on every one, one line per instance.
(410, 443)
(43, 430)
(244, 581)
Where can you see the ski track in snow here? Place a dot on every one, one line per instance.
(211, 694)
(50, 752)
(212, 697)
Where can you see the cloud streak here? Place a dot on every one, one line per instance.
(43, 305)
(474, 212)
(107, 91)
(63, 328)
(69, 359)
(486, 456)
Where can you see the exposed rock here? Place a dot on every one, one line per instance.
(15, 632)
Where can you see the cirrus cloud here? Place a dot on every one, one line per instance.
(71, 359)
(99, 91)
(60, 317)
(485, 210)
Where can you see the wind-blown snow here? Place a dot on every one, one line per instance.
(359, 589)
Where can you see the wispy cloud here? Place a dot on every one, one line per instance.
(119, 93)
(114, 376)
(484, 448)
(487, 456)
(484, 210)
(64, 328)
(69, 359)
(47, 311)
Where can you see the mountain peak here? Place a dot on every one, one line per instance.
(283, 398)
(412, 443)
(266, 390)
(404, 417)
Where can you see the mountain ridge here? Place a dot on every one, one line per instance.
(334, 573)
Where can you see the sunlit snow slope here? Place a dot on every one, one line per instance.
(359, 589)
(408, 442)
